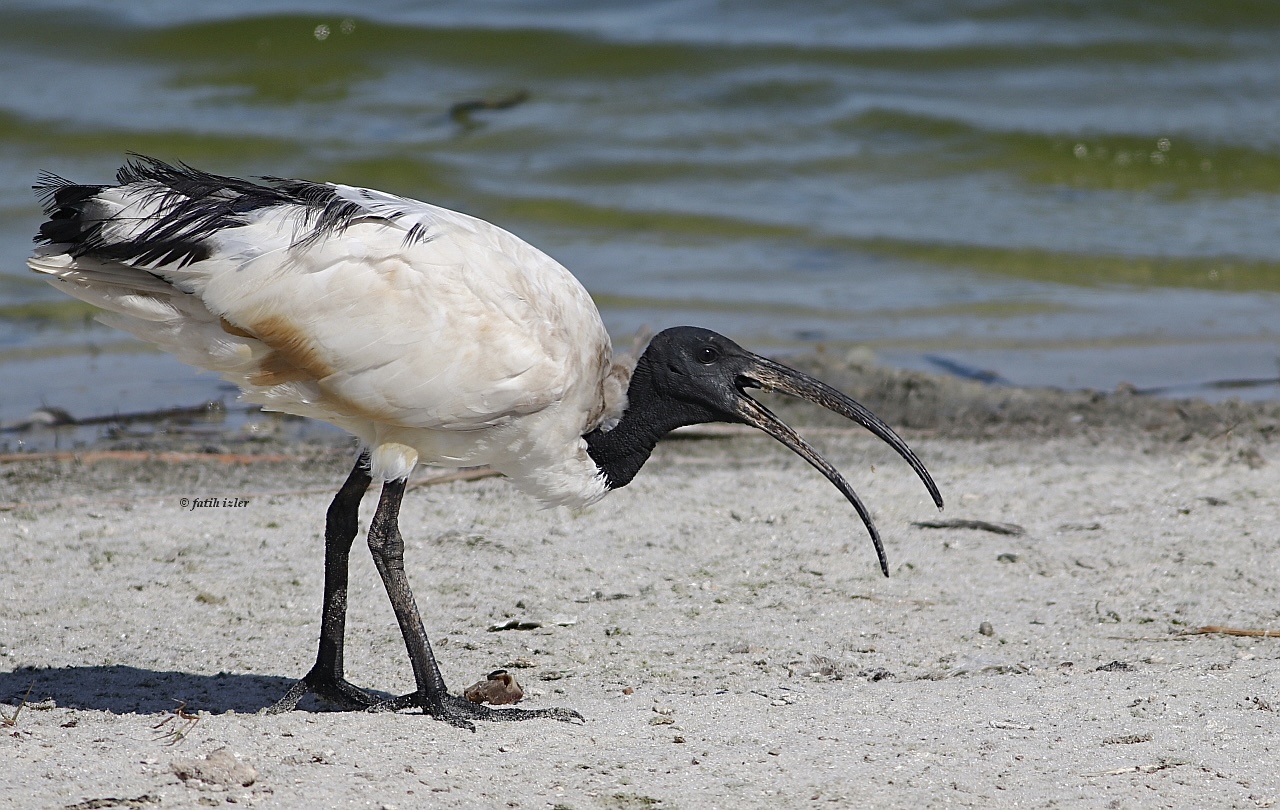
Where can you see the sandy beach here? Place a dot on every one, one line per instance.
(720, 623)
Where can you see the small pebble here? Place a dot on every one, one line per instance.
(499, 688)
(1115, 666)
(514, 624)
(986, 629)
(1127, 739)
(221, 767)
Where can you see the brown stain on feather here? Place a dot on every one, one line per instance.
(292, 358)
(295, 358)
(231, 329)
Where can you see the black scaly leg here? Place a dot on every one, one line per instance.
(432, 696)
(326, 677)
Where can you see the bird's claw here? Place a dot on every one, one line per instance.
(460, 712)
(338, 691)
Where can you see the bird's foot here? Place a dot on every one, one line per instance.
(335, 690)
(460, 712)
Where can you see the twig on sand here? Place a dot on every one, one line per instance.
(467, 474)
(143, 455)
(112, 801)
(963, 523)
(1208, 629)
(1230, 631)
(9, 721)
(1158, 766)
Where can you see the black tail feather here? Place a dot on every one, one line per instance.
(64, 203)
(192, 205)
(58, 192)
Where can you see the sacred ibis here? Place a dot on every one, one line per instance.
(432, 336)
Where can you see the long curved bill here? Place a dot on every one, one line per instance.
(770, 376)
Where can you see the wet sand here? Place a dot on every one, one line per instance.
(721, 623)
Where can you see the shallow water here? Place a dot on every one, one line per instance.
(1069, 194)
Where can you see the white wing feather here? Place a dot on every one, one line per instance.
(416, 326)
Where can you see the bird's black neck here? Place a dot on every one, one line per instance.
(622, 451)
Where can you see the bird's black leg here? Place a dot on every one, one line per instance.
(325, 678)
(432, 696)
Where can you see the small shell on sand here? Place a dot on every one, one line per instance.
(499, 688)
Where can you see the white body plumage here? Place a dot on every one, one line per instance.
(433, 336)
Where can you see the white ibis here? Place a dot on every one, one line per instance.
(432, 336)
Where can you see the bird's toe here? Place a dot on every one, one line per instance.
(337, 691)
(460, 712)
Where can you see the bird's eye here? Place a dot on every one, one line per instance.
(708, 355)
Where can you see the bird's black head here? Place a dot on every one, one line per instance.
(696, 375)
(690, 376)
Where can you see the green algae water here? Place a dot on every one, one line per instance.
(1073, 194)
